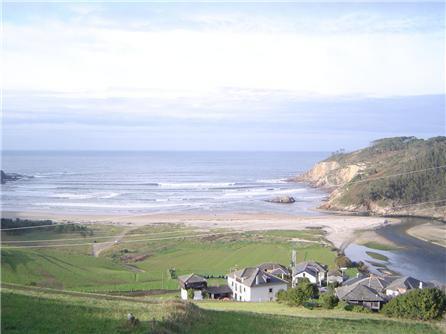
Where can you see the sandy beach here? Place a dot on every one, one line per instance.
(433, 233)
(340, 229)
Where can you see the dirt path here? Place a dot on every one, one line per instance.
(99, 247)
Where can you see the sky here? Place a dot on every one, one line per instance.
(220, 76)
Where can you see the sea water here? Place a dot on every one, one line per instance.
(158, 182)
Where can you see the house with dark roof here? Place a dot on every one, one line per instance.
(403, 284)
(192, 282)
(275, 269)
(366, 291)
(335, 276)
(364, 296)
(312, 270)
(255, 285)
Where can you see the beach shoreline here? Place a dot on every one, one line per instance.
(340, 229)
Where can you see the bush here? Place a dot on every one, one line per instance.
(342, 305)
(190, 294)
(299, 295)
(360, 309)
(343, 261)
(328, 300)
(422, 304)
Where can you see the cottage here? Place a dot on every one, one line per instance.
(314, 271)
(335, 276)
(366, 291)
(275, 269)
(192, 282)
(364, 296)
(403, 284)
(255, 285)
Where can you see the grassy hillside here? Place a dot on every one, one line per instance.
(143, 265)
(381, 179)
(46, 312)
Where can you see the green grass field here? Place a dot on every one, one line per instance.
(46, 312)
(141, 262)
(74, 268)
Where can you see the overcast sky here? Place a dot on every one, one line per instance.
(220, 76)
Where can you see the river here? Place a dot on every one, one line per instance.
(414, 257)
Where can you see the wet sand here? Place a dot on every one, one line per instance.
(340, 229)
(430, 232)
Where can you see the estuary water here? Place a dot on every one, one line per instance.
(414, 257)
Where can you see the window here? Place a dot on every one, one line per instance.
(303, 275)
(270, 289)
(244, 289)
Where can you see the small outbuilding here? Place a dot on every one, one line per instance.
(192, 282)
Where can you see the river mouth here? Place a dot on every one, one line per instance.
(411, 256)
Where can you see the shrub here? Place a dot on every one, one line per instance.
(343, 261)
(190, 294)
(422, 304)
(204, 294)
(328, 300)
(299, 295)
(342, 305)
(360, 309)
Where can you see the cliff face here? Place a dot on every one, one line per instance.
(380, 179)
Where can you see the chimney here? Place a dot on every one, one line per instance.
(257, 279)
(420, 285)
(293, 258)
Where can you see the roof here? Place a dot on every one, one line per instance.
(274, 267)
(363, 293)
(222, 289)
(309, 266)
(334, 272)
(247, 276)
(191, 278)
(375, 283)
(407, 283)
(379, 283)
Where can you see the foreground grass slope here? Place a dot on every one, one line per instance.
(46, 312)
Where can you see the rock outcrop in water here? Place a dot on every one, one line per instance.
(387, 178)
(282, 200)
(10, 177)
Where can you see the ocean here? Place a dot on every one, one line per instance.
(158, 182)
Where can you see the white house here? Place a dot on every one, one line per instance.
(403, 284)
(255, 285)
(314, 271)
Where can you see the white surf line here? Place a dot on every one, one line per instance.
(340, 184)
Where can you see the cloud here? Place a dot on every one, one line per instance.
(263, 74)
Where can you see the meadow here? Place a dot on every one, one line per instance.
(143, 258)
(45, 312)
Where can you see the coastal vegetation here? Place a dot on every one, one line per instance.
(421, 304)
(35, 311)
(393, 176)
(146, 257)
